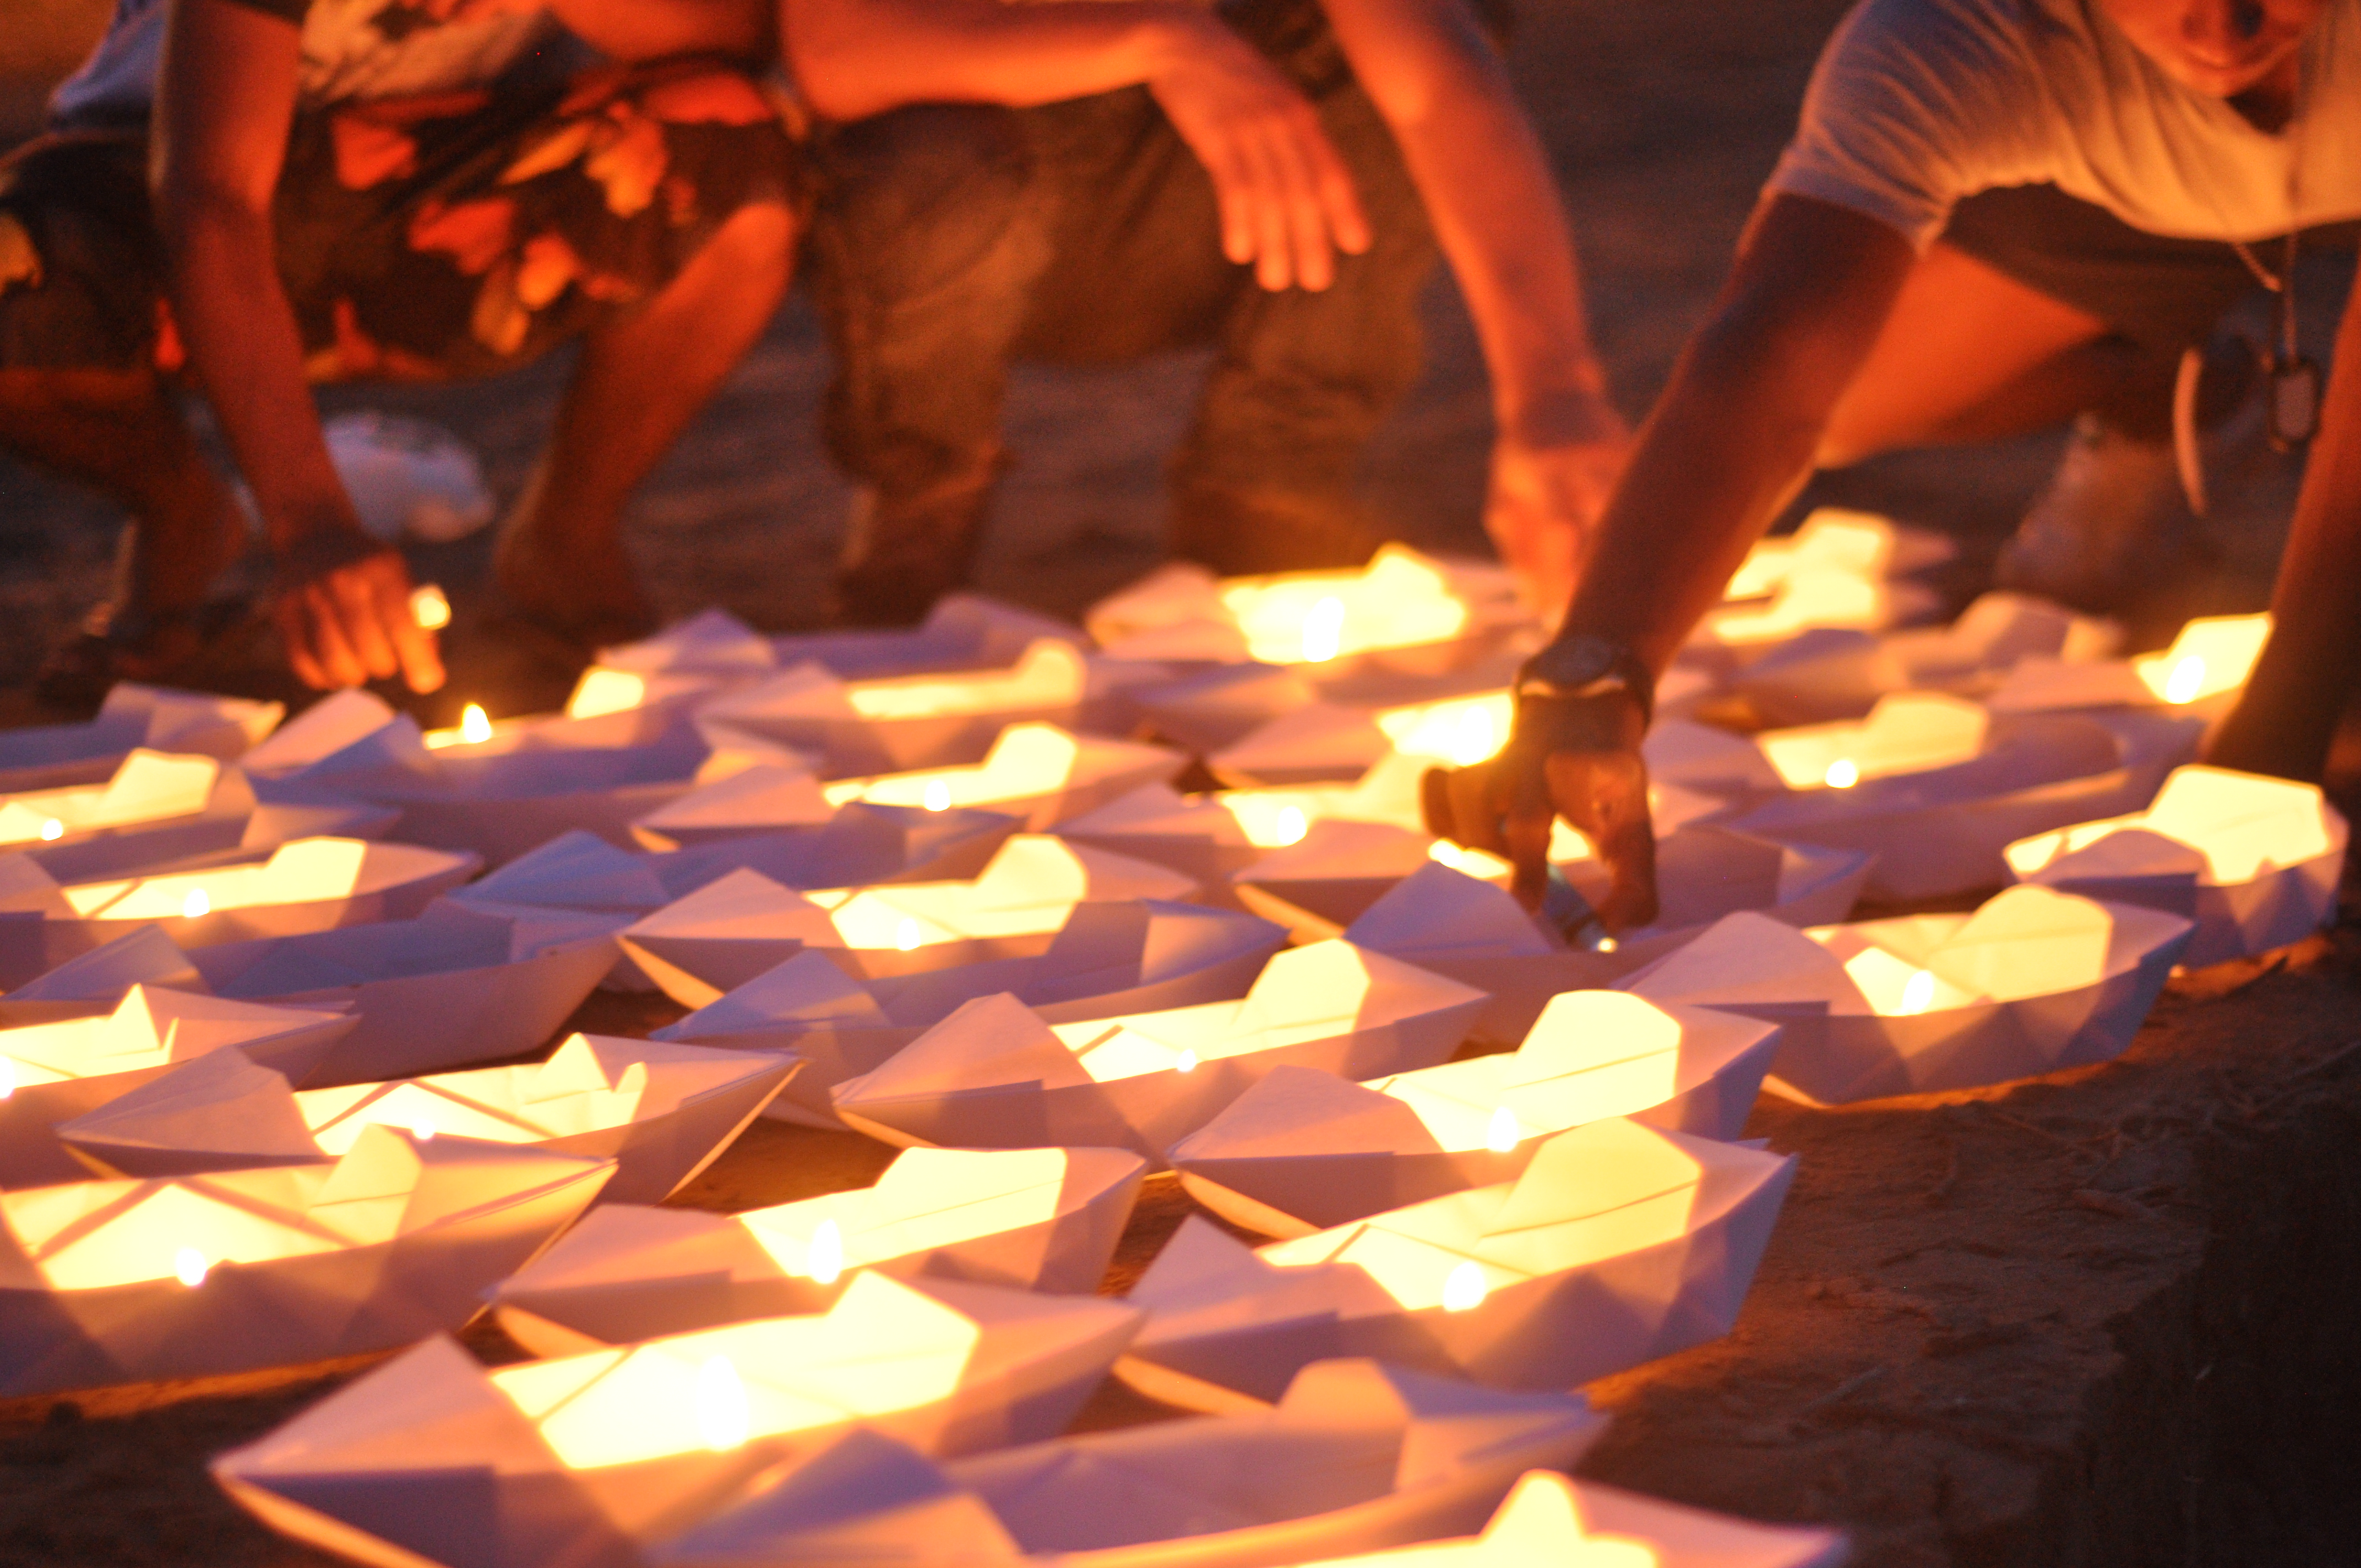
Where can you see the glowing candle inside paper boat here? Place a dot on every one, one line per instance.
(319, 872)
(2253, 859)
(1324, 630)
(1034, 770)
(1906, 732)
(188, 1266)
(149, 786)
(2210, 655)
(1835, 539)
(1462, 730)
(722, 1417)
(1399, 601)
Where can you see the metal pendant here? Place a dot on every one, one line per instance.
(2295, 401)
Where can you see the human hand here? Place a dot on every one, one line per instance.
(1287, 201)
(1573, 757)
(1546, 495)
(342, 602)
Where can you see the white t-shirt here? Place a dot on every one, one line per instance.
(1917, 104)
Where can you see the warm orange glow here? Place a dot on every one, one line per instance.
(475, 725)
(195, 905)
(2245, 825)
(1462, 730)
(721, 1411)
(429, 608)
(603, 691)
(2212, 654)
(1463, 1288)
(149, 786)
(190, 1264)
(1590, 1056)
(1906, 732)
(1399, 601)
(1048, 674)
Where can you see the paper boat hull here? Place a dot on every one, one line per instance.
(1149, 1113)
(657, 1157)
(2235, 920)
(279, 1313)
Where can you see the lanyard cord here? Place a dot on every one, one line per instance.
(2281, 287)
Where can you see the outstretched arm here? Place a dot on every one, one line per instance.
(1286, 201)
(2287, 719)
(225, 101)
(1486, 184)
(1734, 437)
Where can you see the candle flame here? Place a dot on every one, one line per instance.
(824, 1259)
(196, 904)
(1185, 1062)
(2188, 678)
(1843, 774)
(51, 830)
(1290, 828)
(1501, 1136)
(423, 1131)
(939, 795)
(906, 935)
(722, 1417)
(1604, 945)
(429, 608)
(1918, 991)
(1463, 1288)
(475, 725)
(1324, 630)
(191, 1265)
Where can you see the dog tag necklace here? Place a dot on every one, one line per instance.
(2291, 379)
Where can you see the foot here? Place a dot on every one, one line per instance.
(168, 604)
(583, 591)
(2112, 524)
(902, 554)
(1249, 533)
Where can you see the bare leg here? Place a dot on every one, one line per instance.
(560, 558)
(118, 433)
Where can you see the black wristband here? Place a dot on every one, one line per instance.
(1582, 667)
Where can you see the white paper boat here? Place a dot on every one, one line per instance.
(1618, 1244)
(1837, 539)
(582, 1459)
(1356, 1456)
(993, 1075)
(1832, 673)
(1412, 609)
(120, 1281)
(2202, 671)
(766, 797)
(1205, 709)
(1939, 834)
(450, 988)
(726, 933)
(2253, 861)
(963, 631)
(1840, 569)
(313, 884)
(1303, 1150)
(93, 984)
(147, 790)
(1028, 1219)
(1582, 1524)
(53, 756)
(2033, 981)
(660, 1112)
(58, 1071)
(895, 723)
(1037, 772)
(1210, 837)
(1328, 740)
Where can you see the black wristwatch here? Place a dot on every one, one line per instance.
(1587, 666)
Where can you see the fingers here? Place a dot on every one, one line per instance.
(1340, 202)
(1605, 793)
(352, 623)
(413, 646)
(1303, 210)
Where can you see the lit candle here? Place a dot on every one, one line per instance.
(1324, 630)
(906, 935)
(722, 1417)
(429, 608)
(1918, 991)
(8, 1076)
(191, 1265)
(1501, 1137)
(2186, 679)
(196, 904)
(824, 1259)
(1842, 773)
(423, 1131)
(475, 725)
(1185, 1062)
(1290, 827)
(53, 830)
(1463, 1287)
(939, 795)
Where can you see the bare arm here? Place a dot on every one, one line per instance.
(649, 29)
(1487, 186)
(225, 100)
(1734, 437)
(2287, 716)
(1285, 196)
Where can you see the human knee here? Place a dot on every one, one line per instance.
(921, 195)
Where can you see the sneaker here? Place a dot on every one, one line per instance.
(2112, 523)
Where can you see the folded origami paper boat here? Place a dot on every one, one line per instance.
(1037, 772)
(169, 800)
(765, 798)
(1330, 739)
(1028, 1219)
(1618, 1243)
(449, 988)
(1582, 1524)
(1356, 1456)
(583, 1459)
(2253, 861)
(660, 1112)
(313, 884)
(94, 982)
(893, 723)
(120, 1281)
(54, 756)
(1303, 1150)
(2206, 667)
(734, 929)
(1837, 538)
(1108, 959)
(1939, 833)
(57, 1071)
(993, 1075)
(1833, 674)
(2032, 981)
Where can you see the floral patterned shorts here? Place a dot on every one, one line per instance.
(430, 237)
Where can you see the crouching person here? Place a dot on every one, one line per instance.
(247, 197)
